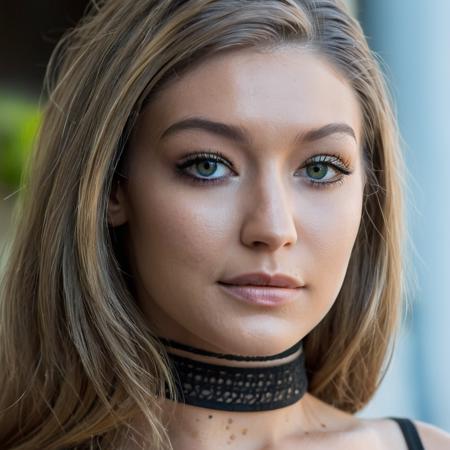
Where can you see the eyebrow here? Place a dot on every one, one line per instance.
(327, 130)
(239, 135)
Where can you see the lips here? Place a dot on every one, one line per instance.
(264, 279)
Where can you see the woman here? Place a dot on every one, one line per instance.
(209, 245)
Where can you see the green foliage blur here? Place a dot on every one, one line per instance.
(19, 122)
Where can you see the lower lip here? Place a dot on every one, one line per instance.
(262, 295)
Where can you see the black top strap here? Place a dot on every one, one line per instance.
(410, 433)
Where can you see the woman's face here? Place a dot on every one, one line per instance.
(276, 201)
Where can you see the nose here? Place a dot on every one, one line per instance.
(270, 220)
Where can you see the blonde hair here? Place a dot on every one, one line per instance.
(77, 359)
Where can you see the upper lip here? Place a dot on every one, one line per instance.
(264, 279)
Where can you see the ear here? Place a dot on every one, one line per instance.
(117, 211)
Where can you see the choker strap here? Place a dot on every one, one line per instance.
(199, 351)
(231, 388)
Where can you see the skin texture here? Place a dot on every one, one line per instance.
(265, 215)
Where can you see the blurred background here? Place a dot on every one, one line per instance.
(412, 37)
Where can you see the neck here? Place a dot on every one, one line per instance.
(265, 409)
(192, 427)
(200, 428)
(242, 383)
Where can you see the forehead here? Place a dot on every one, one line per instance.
(290, 87)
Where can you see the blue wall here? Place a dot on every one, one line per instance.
(413, 39)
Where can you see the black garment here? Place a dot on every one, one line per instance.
(410, 433)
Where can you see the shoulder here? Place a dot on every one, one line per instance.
(376, 434)
(390, 435)
(433, 438)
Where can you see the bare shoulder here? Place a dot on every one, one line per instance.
(390, 436)
(355, 432)
(433, 438)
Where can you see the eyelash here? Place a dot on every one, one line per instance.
(334, 160)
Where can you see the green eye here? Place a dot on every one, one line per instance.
(204, 165)
(325, 170)
(317, 170)
(209, 166)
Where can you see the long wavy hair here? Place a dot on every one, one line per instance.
(78, 360)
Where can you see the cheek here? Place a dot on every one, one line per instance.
(329, 235)
(176, 236)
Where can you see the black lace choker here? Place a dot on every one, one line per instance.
(231, 388)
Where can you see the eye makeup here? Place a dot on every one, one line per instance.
(195, 159)
(314, 166)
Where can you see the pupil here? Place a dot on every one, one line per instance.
(317, 171)
(208, 166)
